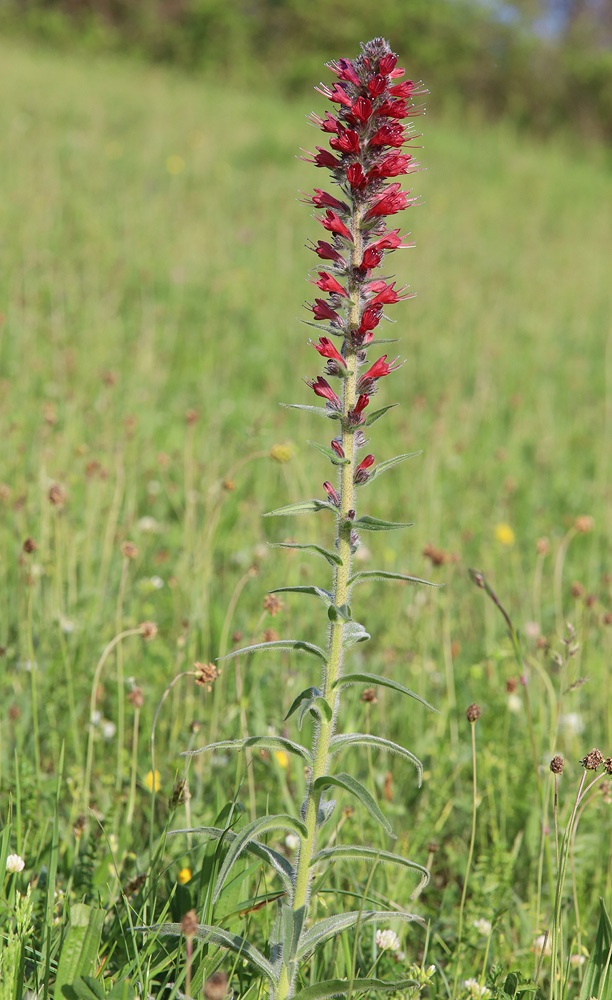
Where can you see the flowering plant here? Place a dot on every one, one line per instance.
(371, 100)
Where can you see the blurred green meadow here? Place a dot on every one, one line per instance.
(153, 265)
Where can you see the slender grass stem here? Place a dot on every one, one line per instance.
(120, 682)
(470, 856)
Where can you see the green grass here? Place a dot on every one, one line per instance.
(132, 295)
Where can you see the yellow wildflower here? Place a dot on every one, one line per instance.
(282, 759)
(504, 534)
(184, 876)
(175, 165)
(280, 453)
(148, 782)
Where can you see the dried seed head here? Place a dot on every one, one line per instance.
(5, 492)
(195, 726)
(607, 618)
(229, 485)
(584, 523)
(542, 546)
(473, 713)
(608, 765)
(272, 604)
(511, 685)
(577, 589)
(29, 545)
(205, 674)
(236, 637)
(215, 987)
(556, 765)
(369, 695)
(136, 697)
(437, 556)
(57, 495)
(191, 417)
(189, 924)
(542, 642)
(592, 760)
(590, 600)
(180, 793)
(270, 635)
(433, 847)
(148, 630)
(79, 825)
(129, 550)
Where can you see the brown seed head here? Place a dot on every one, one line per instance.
(584, 523)
(270, 635)
(50, 414)
(136, 697)
(215, 987)
(148, 630)
(473, 713)
(577, 589)
(229, 485)
(511, 685)
(607, 618)
(129, 550)
(180, 793)
(5, 492)
(272, 604)
(205, 674)
(437, 556)
(542, 642)
(189, 924)
(592, 760)
(29, 545)
(590, 600)
(543, 546)
(195, 726)
(608, 765)
(14, 710)
(369, 695)
(236, 637)
(556, 765)
(191, 417)
(433, 847)
(79, 825)
(57, 495)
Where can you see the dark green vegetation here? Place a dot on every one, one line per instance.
(152, 264)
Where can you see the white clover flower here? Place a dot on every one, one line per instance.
(577, 960)
(483, 926)
(542, 942)
(572, 722)
(475, 990)
(14, 864)
(147, 524)
(387, 940)
(292, 842)
(96, 717)
(108, 729)
(515, 704)
(156, 582)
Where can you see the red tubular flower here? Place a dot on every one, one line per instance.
(322, 310)
(321, 387)
(386, 294)
(333, 496)
(334, 224)
(327, 350)
(355, 416)
(325, 159)
(346, 141)
(380, 368)
(362, 109)
(337, 447)
(327, 283)
(392, 200)
(361, 475)
(370, 318)
(355, 176)
(321, 199)
(388, 135)
(327, 252)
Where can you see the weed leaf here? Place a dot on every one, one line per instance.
(296, 644)
(261, 742)
(344, 740)
(376, 680)
(332, 557)
(367, 523)
(350, 784)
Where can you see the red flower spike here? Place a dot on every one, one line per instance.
(387, 63)
(387, 135)
(356, 415)
(334, 224)
(403, 90)
(333, 496)
(370, 318)
(322, 310)
(344, 69)
(377, 85)
(327, 283)
(326, 124)
(327, 350)
(321, 387)
(392, 201)
(391, 166)
(355, 176)
(367, 462)
(362, 109)
(390, 241)
(386, 294)
(339, 96)
(371, 258)
(346, 142)
(325, 159)
(337, 447)
(326, 252)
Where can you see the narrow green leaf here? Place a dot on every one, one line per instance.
(80, 947)
(385, 466)
(344, 740)
(83, 988)
(350, 784)
(250, 832)
(327, 928)
(381, 574)
(597, 978)
(298, 645)
(321, 327)
(377, 680)
(377, 414)
(341, 987)
(122, 990)
(332, 557)
(367, 523)
(350, 852)
(278, 862)
(334, 612)
(323, 595)
(321, 410)
(260, 742)
(329, 453)
(310, 700)
(301, 507)
(383, 340)
(216, 935)
(353, 633)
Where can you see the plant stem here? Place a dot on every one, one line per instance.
(470, 855)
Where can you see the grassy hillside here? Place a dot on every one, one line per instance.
(152, 273)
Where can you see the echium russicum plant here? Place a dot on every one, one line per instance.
(367, 136)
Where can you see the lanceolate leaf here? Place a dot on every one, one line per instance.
(277, 861)
(250, 832)
(216, 935)
(377, 414)
(310, 700)
(296, 644)
(301, 507)
(332, 557)
(344, 740)
(350, 784)
(597, 981)
(329, 453)
(367, 523)
(384, 466)
(381, 574)
(353, 633)
(260, 742)
(341, 987)
(350, 852)
(376, 680)
(323, 595)
(330, 926)
(321, 410)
